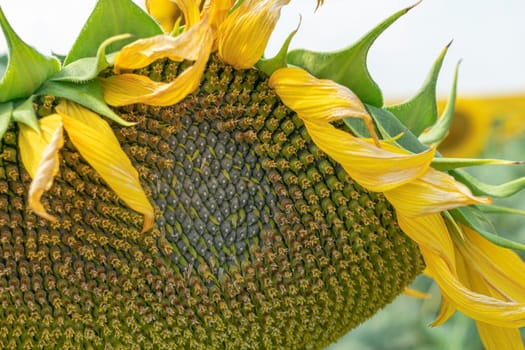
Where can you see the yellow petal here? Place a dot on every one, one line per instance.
(143, 52)
(165, 12)
(416, 294)
(495, 278)
(434, 192)
(217, 10)
(497, 338)
(377, 169)
(478, 306)
(41, 151)
(501, 269)
(32, 144)
(446, 310)
(125, 89)
(190, 10)
(95, 141)
(243, 35)
(318, 100)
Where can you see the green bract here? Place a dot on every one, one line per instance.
(26, 73)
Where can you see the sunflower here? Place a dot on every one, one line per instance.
(288, 205)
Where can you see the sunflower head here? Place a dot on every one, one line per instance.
(234, 201)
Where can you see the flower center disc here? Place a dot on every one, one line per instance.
(261, 241)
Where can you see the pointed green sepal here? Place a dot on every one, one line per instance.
(467, 217)
(437, 133)
(26, 68)
(88, 68)
(498, 209)
(3, 64)
(88, 95)
(480, 188)
(268, 66)
(445, 164)
(6, 113)
(389, 127)
(108, 19)
(420, 112)
(25, 113)
(349, 66)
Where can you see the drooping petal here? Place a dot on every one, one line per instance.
(32, 145)
(143, 52)
(434, 192)
(125, 89)
(40, 157)
(495, 278)
(494, 337)
(95, 141)
(165, 12)
(244, 34)
(318, 100)
(377, 169)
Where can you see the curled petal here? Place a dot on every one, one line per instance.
(316, 100)
(32, 144)
(243, 35)
(377, 169)
(165, 12)
(191, 11)
(125, 89)
(143, 52)
(434, 192)
(217, 10)
(46, 158)
(95, 141)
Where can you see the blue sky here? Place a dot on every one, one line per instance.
(486, 37)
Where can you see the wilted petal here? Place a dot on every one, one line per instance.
(377, 169)
(493, 337)
(95, 141)
(244, 34)
(316, 100)
(165, 12)
(143, 52)
(41, 151)
(32, 144)
(432, 193)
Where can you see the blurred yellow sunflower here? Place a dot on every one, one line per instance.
(287, 204)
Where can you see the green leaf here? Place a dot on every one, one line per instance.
(108, 19)
(439, 131)
(347, 67)
(268, 66)
(445, 164)
(389, 127)
(420, 112)
(88, 68)
(6, 113)
(25, 113)
(88, 95)
(467, 217)
(480, 188)
(26, 69)
(497, 209)
(3, 64)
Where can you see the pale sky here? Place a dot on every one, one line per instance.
(487, 35)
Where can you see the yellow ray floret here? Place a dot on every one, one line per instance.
(318, 102)
(244, 34)
(95, 141)
(165, 12)
(39, 154)
(127, 89)
(432, 193)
